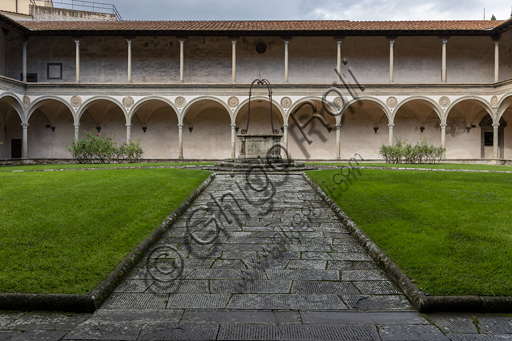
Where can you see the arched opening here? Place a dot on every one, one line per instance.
(321, 132)
(105, 118)
(11, 131)
(465, 137)
(364, 128)
(50, 130)
(207, 131)
(155, 124)
(416, 119)
(506, 117)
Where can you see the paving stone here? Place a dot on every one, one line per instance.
(339, 265)
(471, 337)
(8, 335)
(139, 317)
(413, 332)
(307, 264)
(365, 266)
(362, 275)
(134, 286)
(105, 331)
(166, 331)
(239, 255)
(287, 317)
(348, 247)
(329, 332)
(397, 317)
(336, 317)
(249, 240)
(6, 318)
(256, 286)
(210, 254)
(228, 317)
(179, 286)
(305, 235)
(318, 287)
(241, 247)
(451, 323)
(329, 275)
(495, 325)
(375, 287)
(285, 255)
(39, 320)
(308, 247)
(197, 263)
(377, 302)
(281, 301)
(217, 274)
(228, 264)
(135, 301)
(351, 256)
(316, 255)
(39, 335)
(198, 301)
(324, 241)
(249, 332)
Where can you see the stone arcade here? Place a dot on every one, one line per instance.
(181, 87)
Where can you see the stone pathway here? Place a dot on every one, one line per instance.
(271, 262)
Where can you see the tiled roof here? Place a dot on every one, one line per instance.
(331, 25)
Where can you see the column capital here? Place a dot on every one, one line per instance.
(24, 125)
(233, 39)
(496, 38)
(338, 126)
(77, 125)
(285, 126)
(180, 125)
(444, 39)
(128, 125)
(233, 126)
(339, 39)
(286, 39)
(77, 40)
(391, 125)
(391, 39)
(495, 125)
(182, 39)
(443, 125)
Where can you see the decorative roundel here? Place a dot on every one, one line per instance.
(286, 102)
(180, 101)
(26, 101)
(261, 47)
(392, 102)
(494, 102)
(444, 101)
(128, 102)
(76, 101)
(233, 101)
(338, 102)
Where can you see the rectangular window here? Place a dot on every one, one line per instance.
(54, 70)
(488, 138)
(31, 77)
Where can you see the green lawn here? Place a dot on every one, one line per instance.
(450, 232)
(429, 166)
(63, 232)
(99, 165)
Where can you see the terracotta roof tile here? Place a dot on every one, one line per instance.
(331, 25)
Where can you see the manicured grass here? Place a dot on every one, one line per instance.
(428, 166)
(450, 232)
(112, 165)
(63, 232)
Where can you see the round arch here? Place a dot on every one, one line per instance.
(368, 98)
(429, 101)
(258, 98)
(196, 100)
(302, 100)
(40, 101)
(504, 104)
(484, 103)
(91, 100)
(15, 103)
(137, 105)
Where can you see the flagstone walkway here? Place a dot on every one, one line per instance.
(260, 260)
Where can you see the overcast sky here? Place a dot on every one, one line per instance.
(311, 9)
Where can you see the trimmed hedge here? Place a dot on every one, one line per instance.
(402, 151)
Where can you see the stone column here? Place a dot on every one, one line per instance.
(391, 59)
(77, 43)
(24, 142)
(444, 40)
(182, 57)
(24, 60)
(496, 60)
(339, 40)
(286, 41)
(285, 137)
(129, 41)
(495, 140)
(128, 132)
(338, 141)
(180, 138)
(443, 138)
(77, 131)
(233, 59)
(391, 138)
(233, 140)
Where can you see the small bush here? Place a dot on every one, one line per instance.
(95, 149)
(423, 152)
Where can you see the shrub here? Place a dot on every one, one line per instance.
(423, 151)
(95, 149)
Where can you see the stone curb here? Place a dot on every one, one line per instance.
(419, 169)
(100, 168)
(481, 304)
(92, 301)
